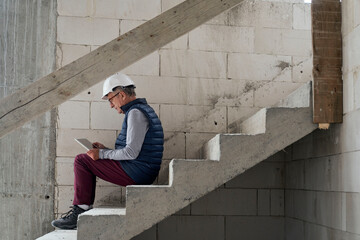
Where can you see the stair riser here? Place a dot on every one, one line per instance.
(99, 227)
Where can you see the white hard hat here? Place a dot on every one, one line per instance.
(116, 80)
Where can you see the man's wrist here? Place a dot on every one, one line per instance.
(101, 154)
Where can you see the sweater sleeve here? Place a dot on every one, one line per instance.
(138, 125)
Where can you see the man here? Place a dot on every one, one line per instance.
(137, 155)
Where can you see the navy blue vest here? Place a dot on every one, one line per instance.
(145, 168)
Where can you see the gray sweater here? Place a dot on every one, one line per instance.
(138, 125)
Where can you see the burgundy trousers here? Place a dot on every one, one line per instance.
(86, 170)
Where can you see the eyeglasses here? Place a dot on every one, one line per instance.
(110, 99)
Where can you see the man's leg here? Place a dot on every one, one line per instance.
(86, 170)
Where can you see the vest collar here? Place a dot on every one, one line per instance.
(127, 106)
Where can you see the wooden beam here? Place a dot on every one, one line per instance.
(327, 61)
(65, 83)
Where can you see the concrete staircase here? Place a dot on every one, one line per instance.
(226, 156)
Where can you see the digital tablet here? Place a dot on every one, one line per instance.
(85, 143)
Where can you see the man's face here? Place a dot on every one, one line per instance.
(117, 99)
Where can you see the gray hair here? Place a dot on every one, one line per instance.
(128, 90)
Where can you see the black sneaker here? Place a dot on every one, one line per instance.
(68, 220)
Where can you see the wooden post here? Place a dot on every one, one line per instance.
(327, 61)
(63, 84)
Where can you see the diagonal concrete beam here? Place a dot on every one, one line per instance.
(65, 83)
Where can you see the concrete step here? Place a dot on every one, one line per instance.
(99, 221)
(226, 156)
(60, 235)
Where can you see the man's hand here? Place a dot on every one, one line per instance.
(94, 154)
(98, 145)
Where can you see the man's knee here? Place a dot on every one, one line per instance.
(81, 159)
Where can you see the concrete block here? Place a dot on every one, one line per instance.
(109, 196)
(353, 213)
(192, 227)
(318, 144)
(105, 196)
(263, 202)
(94, 93)
(67, 147)
(167, 4)
(179, 43)
(103, 183)
(65, 196)
(262, 175)
(351, 51)
(298, 205)
(181, 63)
(66, 53)
(348, 17)
(64, 172)
(195, 143)
(148, 65)
(294, 229)
(318, 232)
(174, 145)
(88, 31)
(156, 108)
(173, 117)
(302, 16)
(346, 54)
(254, 228)
(356, 79)
(193, 118)
(73, 114)
(164, 90)
(295, 175)
(219, 92)
(262, 14)
(323, 174)
(236, 115)
(348, 179)
(222, 38)
(277, 202)
(128, 9)
(324, 208)
(257, 67)
(356, 16)
(127, 25)
(283, 42)
(348, 138)
(82, 8)
(206, 119)
(104, 117)
(221, 19)
(227, 202)
(302, 69)
(349, 92)
(270, 93)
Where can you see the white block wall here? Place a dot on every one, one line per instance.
(322, 195)
(203, 83)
